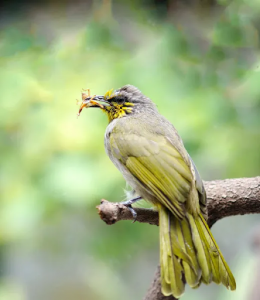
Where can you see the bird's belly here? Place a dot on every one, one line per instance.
(140, 189)
(134, 183)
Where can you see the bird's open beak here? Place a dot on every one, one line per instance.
(95, 101)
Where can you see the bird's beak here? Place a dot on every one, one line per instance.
(95, 101)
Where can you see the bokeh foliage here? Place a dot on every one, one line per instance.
(202, 74)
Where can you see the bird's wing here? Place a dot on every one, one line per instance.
(155, 162)
(200, 188)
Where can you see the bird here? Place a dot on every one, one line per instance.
(148, 151)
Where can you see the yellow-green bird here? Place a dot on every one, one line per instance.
(150, 154)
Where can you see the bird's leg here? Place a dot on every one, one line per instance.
(131, 201)
(128, 204)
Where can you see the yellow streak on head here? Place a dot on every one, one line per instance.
(108, 94)
(116, 110)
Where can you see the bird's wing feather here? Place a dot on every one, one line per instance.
(155, 162)
(200, 188)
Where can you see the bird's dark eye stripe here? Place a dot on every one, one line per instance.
(119, 100)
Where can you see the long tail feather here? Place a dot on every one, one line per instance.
(171, 269)
(226, 276)
(191, 269)
(189, 253)
(202, 253)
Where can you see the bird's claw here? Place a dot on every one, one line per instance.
(133, 212)
(129, 206)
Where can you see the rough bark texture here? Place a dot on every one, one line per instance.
(112, 212)
(228, 197)
(232, 197)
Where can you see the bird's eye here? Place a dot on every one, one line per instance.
(120, 100)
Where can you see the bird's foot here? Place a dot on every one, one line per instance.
(133, 212)
(129, 203)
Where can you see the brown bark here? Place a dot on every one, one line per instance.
(228, 197)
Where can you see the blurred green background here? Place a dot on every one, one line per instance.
(198, 61)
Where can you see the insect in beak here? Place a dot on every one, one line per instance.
(92, 101)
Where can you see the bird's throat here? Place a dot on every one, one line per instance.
(117, 111)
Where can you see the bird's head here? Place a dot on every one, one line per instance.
(119, 103)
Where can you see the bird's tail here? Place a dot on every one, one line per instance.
(189, 253)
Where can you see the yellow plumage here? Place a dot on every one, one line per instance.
(188, 251)
(148, 151)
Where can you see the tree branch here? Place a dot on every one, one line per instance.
(225, 198)
(228, 197)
